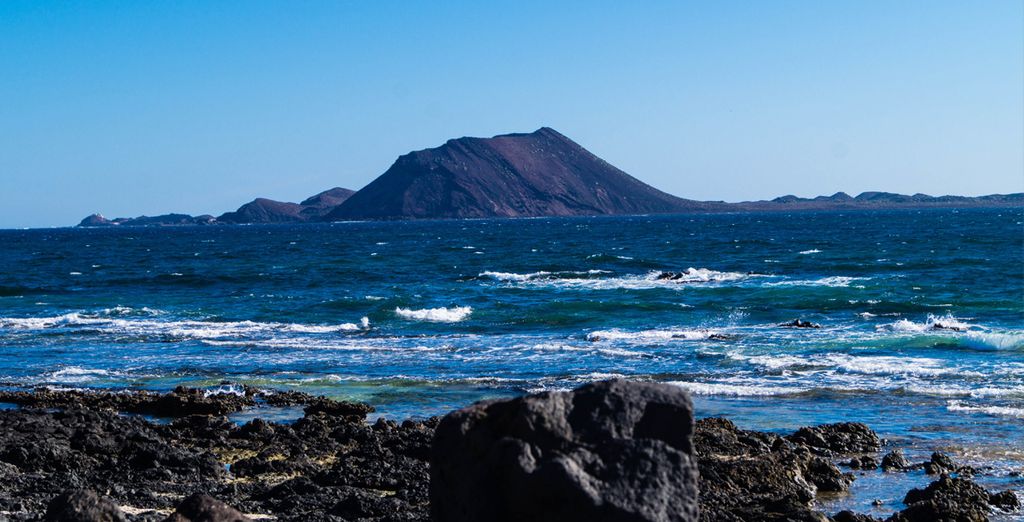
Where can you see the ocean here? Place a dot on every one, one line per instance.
(921, 315)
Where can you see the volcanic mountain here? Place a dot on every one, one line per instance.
(542, 173)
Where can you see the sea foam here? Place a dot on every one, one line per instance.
(1002, 411)
(437, 315)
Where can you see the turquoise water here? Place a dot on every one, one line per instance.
(418, 318)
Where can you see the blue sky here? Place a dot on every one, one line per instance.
(151, 107)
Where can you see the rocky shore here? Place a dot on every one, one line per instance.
(73, 455)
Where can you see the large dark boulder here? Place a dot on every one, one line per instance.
(609, 451)
(83, 506)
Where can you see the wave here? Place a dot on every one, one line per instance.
(993, 340)
(591, 280)
(1001, 411)
(831, 281)
(933, 323)
(437, 315)
(811, 251)
(959, 390)
(542, 275)
(647, 336)
(859, 364)
(737, 390)
(114, 320)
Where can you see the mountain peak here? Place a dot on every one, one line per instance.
(541, 173)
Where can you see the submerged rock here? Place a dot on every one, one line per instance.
(82, 506)
(612, 451)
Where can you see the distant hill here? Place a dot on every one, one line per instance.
(879, 201)
(259, 210)
(541, 173)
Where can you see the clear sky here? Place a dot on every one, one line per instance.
(137, 107)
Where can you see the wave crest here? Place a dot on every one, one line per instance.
(436, 315)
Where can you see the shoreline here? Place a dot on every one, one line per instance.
(147, 452)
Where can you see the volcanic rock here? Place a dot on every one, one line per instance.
(838, 439)
(799, 323)
(895, 460)
(204, 508)
(82, 506)
(750, 475)
(613, 451)
(952, 499)
(542, 173)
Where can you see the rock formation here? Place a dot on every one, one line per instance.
(611, 451)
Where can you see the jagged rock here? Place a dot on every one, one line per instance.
(82, 506)
(841, 438)
(337, 408)
(895, 460)
(940, 464)
(864, 462)
(204, 508)
(946, 499)
(1005, 500)
(612, 451)
(749, 475)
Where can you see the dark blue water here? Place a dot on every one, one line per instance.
(421, 317)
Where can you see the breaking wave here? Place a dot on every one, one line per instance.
(648, 336)
(437, 315)
(1001, 411)
(105, 321)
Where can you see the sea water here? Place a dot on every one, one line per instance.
(921, 314)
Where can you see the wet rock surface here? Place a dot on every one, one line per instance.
(73, 456)
(749, 475)
(842, 438)
(324, 466)
(613, 451)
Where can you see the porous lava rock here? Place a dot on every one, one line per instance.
(612, 451)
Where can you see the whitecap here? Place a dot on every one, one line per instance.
(811, 251)
(543, 274)
(1001, 411)
(831, 281)
(647, 336)
(736, 390)
(113, 322)
(933, 323)
(75, 374)
(653, 279)
(439, 315)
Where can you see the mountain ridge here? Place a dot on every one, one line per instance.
(537, 174)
